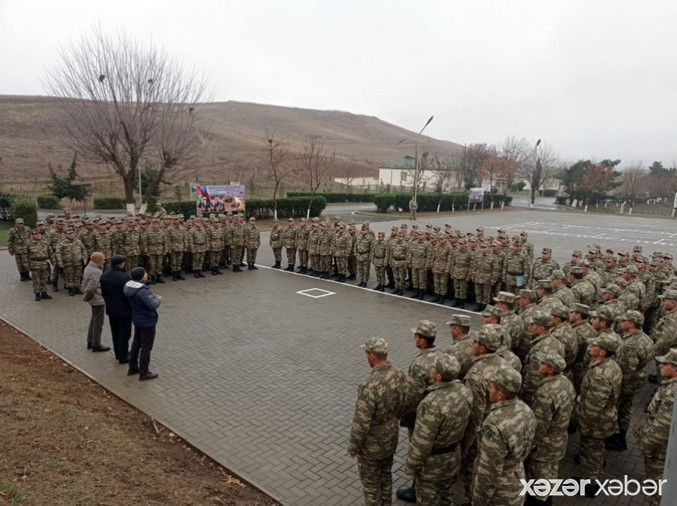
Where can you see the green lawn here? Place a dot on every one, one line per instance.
(5, 226)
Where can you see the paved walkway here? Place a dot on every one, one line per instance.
(262, 378)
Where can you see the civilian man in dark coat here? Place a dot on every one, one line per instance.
(117, 306)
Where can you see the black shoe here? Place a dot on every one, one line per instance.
(179, 276)
(100, 348)
(406, 494)
(158, 279)
(174, 278)
(277, 265)
(124, 360)
(290, 268)
(79, 292)
(55, 288)
(440, 299)
(71, 292)
(213, 269)
(89, 346)
(299, 269)
(381, 288)
(38, 297)
(395, 291)
(195, 274)
(591, 490)
(147, 376)
(376, 288)
(242, 264)
(45, 295)
(236, 268)
(420, 296)
(352, 276)
(400, 292)
(199, 273)
(616, 443)
(254, 268)
(415, 296)
(391, 285)
(132, 371)
(218, 270)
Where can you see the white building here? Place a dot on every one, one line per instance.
(400, 173)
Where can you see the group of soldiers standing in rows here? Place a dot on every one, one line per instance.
(165, 244)
(567, 352)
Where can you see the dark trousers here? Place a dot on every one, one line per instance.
(141, 348)
(95, 325)
(121, 330)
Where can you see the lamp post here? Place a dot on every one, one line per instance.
(418, 140)
(537, 173)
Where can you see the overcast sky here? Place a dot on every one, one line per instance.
(593, 78)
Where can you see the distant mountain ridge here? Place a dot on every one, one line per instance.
(235, 147)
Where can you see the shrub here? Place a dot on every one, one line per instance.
(337, 197)
(109, 203)
(549, 193)
(48, 202)
(383, 202)
(24, 207)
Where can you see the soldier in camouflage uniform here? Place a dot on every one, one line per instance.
(462, 343)
(253, 242)
(302, 233)
(418, 259)
(215, 238)
(237, 243)
(526, 300)
(513, 324)
(326, 237)
(560, 288)
(487, 275)
(527, 247)
(156, 247)
(17, 241)
(131, 244)
(578, 318)
(196, 240)
(439, 262)
(596, 412)
(40, 254)
(504, 443)
(584, 292)
(69, 256)
(434, 456)
(459, 272)
(275, 242)
(543, 267)
(635, 352)
(374, 433)
(547, 301)
(379, 257)
(104, 243)
(397, 259)
(516, 265)
(565, 334)
(665, 334)
(363, 246)
(542, 342)
(352, 261)
(313, 248)
(289, 242)
(391, 240)
(653, 434)
(54, 236)
(177, 244)
(552, 405)
(88, 236)
(342, 243)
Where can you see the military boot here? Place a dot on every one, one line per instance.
(249, 266)
(55, 287)
(196, 274)
(179, 276)
(236, 268)
(290, 268)
(174, 276)
(417, 292)
(616, 442)
(213, 269)
(395, 291)
(421, 294)
(199, 273)
(71, 292)
(45, 295)
(406, 494)
(400, 292)
(158, 279)
(37, 296)
(254, 268)
(277, 265)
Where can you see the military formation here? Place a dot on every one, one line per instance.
(56, 251)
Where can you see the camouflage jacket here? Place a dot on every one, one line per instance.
(459, 265)
(363, 245)
(275, 239)
(313, 242)
(197, 239)
(596, 412)
(155, 242)
(665, 334)
(237, 236)
(516, 264)
(440, 258)
(441, 420)
(39, 252)
(652, 435)
(418, 380)
(375, 430)
(398, 254)
(131, 242)
(530, 376)
(566, 335)
(379, 253)
(461, 350)
(635, 353)
(505, 441)
(552, 404)
(342, 245)
(542, 269)
(176, 236)
(486, 269)
(70, 252)
(584, 292)
(253, 237)
(289, 237)
(565, 294)
(17, 240)
(418, 254)
(302, 237)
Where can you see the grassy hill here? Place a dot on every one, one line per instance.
(31, 137)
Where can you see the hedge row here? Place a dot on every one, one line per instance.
(48, 202)
(428, 202)
(109, 203)
(13, 206)
(262, 208)
(337, 197)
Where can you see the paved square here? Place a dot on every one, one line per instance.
(265, 382)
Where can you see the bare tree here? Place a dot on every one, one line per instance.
(126, 103)
(279, 163)
(634, 177)
(539, 166)
(316, 161)
(515, 152)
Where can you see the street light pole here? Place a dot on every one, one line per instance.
(418, 140)
(537, 173)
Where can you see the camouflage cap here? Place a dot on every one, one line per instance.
(554, 360)
(612, 288)
(577, 252)
(576, 270)
(527, 294)
(584, 263)
(669, 358)
(561, 311)
(544, 283)
(667, 256)
(67, 210)
(642, 260)
(459, 319)
(447, 366)
(669, 294)
(492, 311)
(393, 228)
(540, 317)
(508, 379)
(620, 282)
(489, 338)
(506, 297)
(632, 270)
(623, 254)
(50, 215)
(637, 247)
(632, 316)
(558, 274)
(577, 307)
(425, 328)
(381, 234)
(603, 312)
(607, 340)
(546, 250)
(376, 345)
(39, 223)
(19, 221)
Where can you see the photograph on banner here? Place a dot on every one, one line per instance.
(220, 198)
(476, 195)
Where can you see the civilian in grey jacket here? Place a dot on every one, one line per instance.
(92, 290)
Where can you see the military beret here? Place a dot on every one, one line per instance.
(632, 270)
(558, 274)
(540, 317)
(554, 360)
(376, 345)
(425, 328)
(577, 307)
(669, 358)
(489, 338)
(546, 250)
(603, 312)
(607, 340)
(492, 311)
(612, 288)
(632, 316)
(669, 294)
(577, 252)
(507, 297)
(544, 283)
(508, 379)
(447, 366)
(459, 319)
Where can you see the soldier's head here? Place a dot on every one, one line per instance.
(505, 301)
(576, 256)
(667, 364)
(550, 364)
(491, 315)
(364, 231)
(444, 369)
(636, 251)
(526, 297)
(36, 235)
(376, 349)
(601, 319)
(610, 263)
(557, 278)
(504, 385)
(669, 299)
(516, 246)
(559, 314)
(546, 254)
(487, 340)
(19, 223)
(640, 263)
(631, 320)
(544, 288)
(578, 312)
(611, 292)
(381, 236)
(539, 323)
(604, 345)
(523, 236)
(459, 326)
(40, 225)
(667, 259)
(70, 234)
(424, 334)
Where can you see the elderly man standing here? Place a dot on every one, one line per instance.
(92, 290)
(374, 433)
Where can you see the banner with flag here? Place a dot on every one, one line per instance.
(220, 199)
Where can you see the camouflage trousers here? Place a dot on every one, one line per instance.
(251, 255)
(461, 289)
(441, 282)
(482, 293)
(291, 256)
(303, 257)
(468, 471)
(624, 411)
(175, 260)
(577, 372)
(325, 263)
(213, 258)
(314, 261)
(380, 275)
(132, 261)
(377, 481)
(399, 275)
(434, 492)
(419, 277)
(363, 268)
(537, 470)
(653, 470)
(198, 260)
(352, 265)
(391, 277)
(591, 454)
(39, 274)
(237, 252)
(22, 260)
(342, 265)
(226, 254)
(155, 264)
(277, 254)
(72, 274)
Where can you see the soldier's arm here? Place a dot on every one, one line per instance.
(596, 398)
(479, 395)
(421, 444)
(543, 410)
(364, 413)
(656, 430)
(490, 457)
